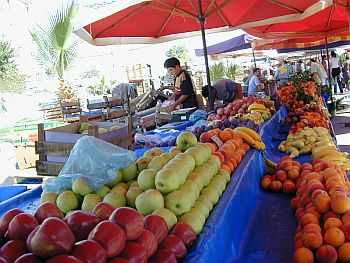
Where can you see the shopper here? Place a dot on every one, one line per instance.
(185, 95)
(346, 72)
(225, 90)
(335, 66)
(318, 73)
(254, 83)
(282, 74)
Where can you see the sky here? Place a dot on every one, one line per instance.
(111, 60)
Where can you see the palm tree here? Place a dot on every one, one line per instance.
(232, 70)
(56, 50)
(217, 71)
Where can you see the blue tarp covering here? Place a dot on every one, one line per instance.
(6, 192)
(238, 43)
(330, 45)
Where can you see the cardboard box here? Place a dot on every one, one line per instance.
(69, 134)
(26, 156)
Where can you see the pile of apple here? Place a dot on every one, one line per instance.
(104, 235)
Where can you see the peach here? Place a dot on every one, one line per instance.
(298, 235)
(313, 227)
(276, 186)
(297, 164)
(330, 214)
(308, 218)
(303, 255)
(312, 210)
(234, 163)
(317, 192)
(221, 157)
(229, 164)
(332, 222)
(293, 174)
(344, 253)
(231, 131)
(311, 187)
(298, 243)
(281, 175)
(340, 204)
(246, 147)
(346, 218)
(333, 184)
(346, 230)
(329, 173)
(333, 179)
(312, 239)
(213, 146)
(286, 158)
(226, 168)
(295, 202)
(306, 166)
(337, 191)
(237, 157)
(299, 213)
(316, 176)
(305, 200)
(334, 237)
(289, 187)
(326, 254)
(205, 137)
(224, 153)
(224, 136)
(322, 203)
(285, 165)
(240, 151)
(318, 167)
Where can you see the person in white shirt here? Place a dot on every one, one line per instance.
(335, 71)
(318, 72)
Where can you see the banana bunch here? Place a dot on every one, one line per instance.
(329, 152)
(254, 116)
(271, 166)
(251, 137)
(259, 108)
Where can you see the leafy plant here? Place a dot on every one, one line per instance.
(180, 52)
(217, 71)
(232, 70)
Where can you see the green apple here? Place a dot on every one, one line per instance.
(204, 174)
(146, 179)
(118, 178)
(124, 185)
(48, 197)
(187, 160)
(83, 127)
(102, 191)
(149, 201)
(80, 187)
(214, 159)
(90, 201)
(167, 181)
(199, 213)
(131, 195)
(67, 201)
(219, 181)
(118, 189)
(158, 150)
(206, 148)
(211, 165)
(69, 213)
(198, 155)
(130, 183)
(115, 200)
(193, 176)
(205, 199)
(169, 217)
(190, 188)
(166, 156)
(203, 207)
(129, 173)
(224, 173)
(153, 152)
(174, 151)
(186, 140)
(178, 202)
(212, 194)
(217, 186)
(194, 221)
(193, 187)
(182, 173)
(157, 163)
(63, 190)
(142, 163)
(134, 184)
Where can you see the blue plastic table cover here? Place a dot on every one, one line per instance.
(247, 224)
(6, 192)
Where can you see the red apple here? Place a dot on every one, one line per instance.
(81, 223)
(30, 237)
(7, 217)
(21, 226)
(129, 220)
(103, 210)
(89, 251)
(118, 260)
(53, 237)
(157, 225)
(28, 258)
(47, 210)
(163, 256)
(175, 245)
(64, 259)
(13, 250)
(185, 232)
(134, 252)
(148, 241)
(110, 236)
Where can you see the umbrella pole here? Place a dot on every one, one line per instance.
(201, 20)
(329, 69)
(254, 57)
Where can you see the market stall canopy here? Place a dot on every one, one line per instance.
(237, 43)
(331, 21)
(331, 45)
(146, 21)
(225, 55)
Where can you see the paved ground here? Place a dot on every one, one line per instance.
(341, 125)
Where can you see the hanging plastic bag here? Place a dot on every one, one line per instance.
(95, 161)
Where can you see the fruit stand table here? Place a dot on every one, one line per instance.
(7, 192)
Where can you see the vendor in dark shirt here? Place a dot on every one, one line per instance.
(184, 91)
(224, 89)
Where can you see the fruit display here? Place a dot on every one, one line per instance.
(85, 126)
(311, 119)
(250, 108)
(105, 235)
(296, 115)
(328, 151)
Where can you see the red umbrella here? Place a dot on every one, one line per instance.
(152, 21)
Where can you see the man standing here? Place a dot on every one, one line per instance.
(224, 89)
(317, 71)
(184, 91)
(282, 74)
(254, 83)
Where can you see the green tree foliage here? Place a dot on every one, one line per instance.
(232, 70)
(10, 78)
(180, 52)
(217, 71)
